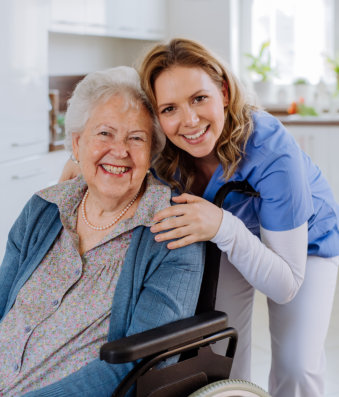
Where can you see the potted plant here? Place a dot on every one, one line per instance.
(301, 109)
(302, 89)
(334, 63)
(261, 67)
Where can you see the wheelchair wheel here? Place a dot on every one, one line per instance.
(230, 388)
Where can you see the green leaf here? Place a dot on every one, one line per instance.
(261, 63)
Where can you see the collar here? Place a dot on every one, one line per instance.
(68, 195)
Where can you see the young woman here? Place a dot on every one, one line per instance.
(284, 243)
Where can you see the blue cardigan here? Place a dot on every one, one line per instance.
(156, 286)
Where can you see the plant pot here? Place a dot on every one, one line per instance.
(303, 91)
(263, 89)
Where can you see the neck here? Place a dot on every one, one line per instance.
(100, 208)
(205, 170)
(206, 166)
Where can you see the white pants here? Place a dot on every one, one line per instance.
(298, 328)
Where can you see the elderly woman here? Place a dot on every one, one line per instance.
(81, 265)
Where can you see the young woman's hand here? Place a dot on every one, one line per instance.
(70, 171)
(193, 219)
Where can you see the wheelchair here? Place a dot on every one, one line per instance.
(199, 372)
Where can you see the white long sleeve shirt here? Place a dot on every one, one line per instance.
(275, 265)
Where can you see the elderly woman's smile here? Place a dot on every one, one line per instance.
(114, 150)
(116, 170)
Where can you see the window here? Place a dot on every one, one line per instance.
(301, 34)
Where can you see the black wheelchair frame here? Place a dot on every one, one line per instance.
(190, 338)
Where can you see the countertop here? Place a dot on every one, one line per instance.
(295, 119)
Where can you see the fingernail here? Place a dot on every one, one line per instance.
(157, 237)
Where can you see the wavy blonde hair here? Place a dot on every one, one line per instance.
(230, 147)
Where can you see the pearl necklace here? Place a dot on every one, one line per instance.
(99, 228)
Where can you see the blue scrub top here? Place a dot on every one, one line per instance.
(292, 188)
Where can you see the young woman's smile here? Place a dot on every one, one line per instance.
(191, 109)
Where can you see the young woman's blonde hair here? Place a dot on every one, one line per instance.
(238, 121)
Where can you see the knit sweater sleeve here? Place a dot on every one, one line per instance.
(275, 265)
(11, 261)
(29, 239)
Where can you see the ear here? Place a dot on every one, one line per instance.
(224, 91)
(75, 144)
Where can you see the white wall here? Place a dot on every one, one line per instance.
(207, 21)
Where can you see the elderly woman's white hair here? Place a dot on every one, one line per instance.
(98, 87)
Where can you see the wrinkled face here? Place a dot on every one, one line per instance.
(114, 148)
(191, 109)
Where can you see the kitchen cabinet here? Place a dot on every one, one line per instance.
(78, 16)
(321, 143)
(24, 105)
(154, 24)
(20, 179)
(133, 19)
(144, 19)
(23, 79)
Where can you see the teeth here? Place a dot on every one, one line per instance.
(114, 170)
(197, 135)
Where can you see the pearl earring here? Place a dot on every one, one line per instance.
(74, 159)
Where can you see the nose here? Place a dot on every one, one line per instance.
(190, 117)
(119, 148)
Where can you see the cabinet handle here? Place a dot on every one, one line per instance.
(22, 177)
(16, 144)
(156, 31)
(125, 28)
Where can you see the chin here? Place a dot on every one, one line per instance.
(200, 152)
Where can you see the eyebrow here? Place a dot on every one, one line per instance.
(138, 130)
(100, 125)
(200, 91)
(115, 129)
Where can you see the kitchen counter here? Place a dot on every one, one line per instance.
(323, 120)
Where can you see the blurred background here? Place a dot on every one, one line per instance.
(285, 52)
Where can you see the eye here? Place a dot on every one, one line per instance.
(137, 138)
(167, 110)
(104, 133)
(199, 98)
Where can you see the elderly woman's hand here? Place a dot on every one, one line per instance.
(70, 171)
(194, 219)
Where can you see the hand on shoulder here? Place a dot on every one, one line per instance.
(193, 219)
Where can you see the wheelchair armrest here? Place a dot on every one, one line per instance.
(163, 338)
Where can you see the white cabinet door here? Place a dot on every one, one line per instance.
(123, 18)
(135, 19)
(79, 16)
(23, 79)
(96, 17)
(153, 23)
(321, 143)
(68, 16)
(19, 180)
